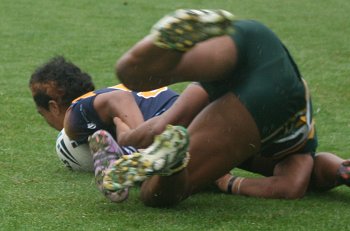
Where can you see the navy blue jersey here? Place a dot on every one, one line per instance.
(84, 119)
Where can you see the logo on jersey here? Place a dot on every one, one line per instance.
(91, 126)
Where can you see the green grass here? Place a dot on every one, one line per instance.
(38, 193)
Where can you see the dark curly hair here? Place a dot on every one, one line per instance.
(59, 80)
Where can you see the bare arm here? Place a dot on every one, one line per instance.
(188, 105)
(119, 104)
(146, 66)
(109, 105)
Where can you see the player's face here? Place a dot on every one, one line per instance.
(53, 119)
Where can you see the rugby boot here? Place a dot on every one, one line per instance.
(165, 156)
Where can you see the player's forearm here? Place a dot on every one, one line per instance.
(188, 105)
(142, 136)
(191, 101)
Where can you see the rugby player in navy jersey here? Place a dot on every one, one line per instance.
(66, 98)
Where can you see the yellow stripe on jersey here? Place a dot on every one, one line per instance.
(143, 94)
(120, 87)
(87, 95)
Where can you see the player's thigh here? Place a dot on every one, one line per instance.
(222, 136)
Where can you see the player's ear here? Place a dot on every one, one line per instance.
(54, 107)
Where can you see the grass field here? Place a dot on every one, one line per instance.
(38, 193)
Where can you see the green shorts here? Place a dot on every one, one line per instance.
(267, 81)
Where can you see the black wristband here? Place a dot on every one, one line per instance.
(230, 183)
